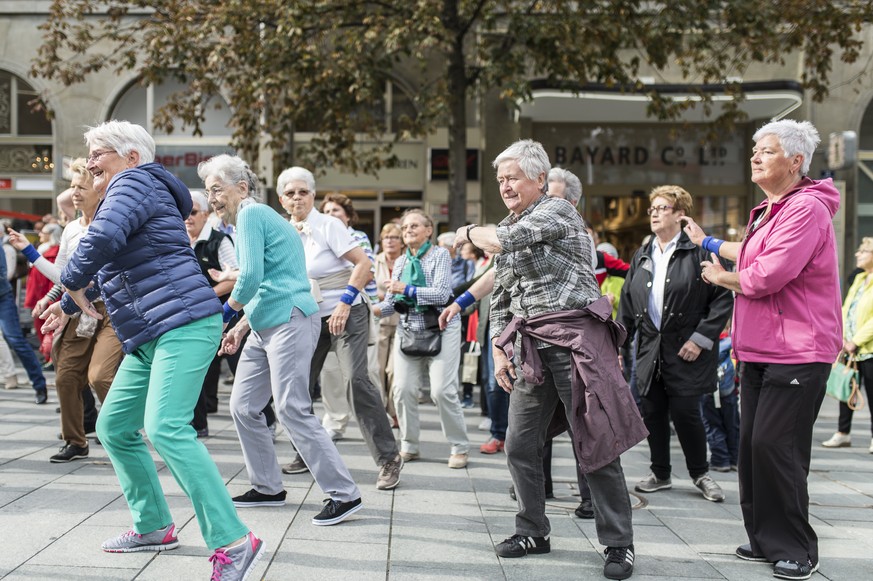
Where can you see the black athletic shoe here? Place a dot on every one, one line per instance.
(69, 453)
(745, 552)
(41, 396)
(585, 509)
(619, 562)
(255, 498)
(520, 545)
(336, 511)
(794, 569)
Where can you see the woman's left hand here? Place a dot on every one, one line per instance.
(690, 351)
(336, 324)
(849, 347)
(54, 317)
(395, 287)
(710, 270)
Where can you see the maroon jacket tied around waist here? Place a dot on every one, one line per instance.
(604, 418)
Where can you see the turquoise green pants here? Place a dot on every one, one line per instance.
(156, 388)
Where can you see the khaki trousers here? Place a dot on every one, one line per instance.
(80, 362)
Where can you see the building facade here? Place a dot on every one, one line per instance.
(603, 136)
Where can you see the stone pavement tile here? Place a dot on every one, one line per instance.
(662, 553)
(69, 573)
(308, 560)
(81, 548)
(732, 568)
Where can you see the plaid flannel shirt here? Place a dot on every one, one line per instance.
(545, 265)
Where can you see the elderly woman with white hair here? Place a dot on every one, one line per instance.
(168, 319)
(565, 184)
(280, 311)
(786, 335)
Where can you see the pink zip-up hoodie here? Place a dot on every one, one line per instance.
(789, 311)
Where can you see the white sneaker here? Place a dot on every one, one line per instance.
(334, 435)
(871, 446)
(485, 425)
(12, 382)
(839, 440)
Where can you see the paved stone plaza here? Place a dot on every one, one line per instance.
(439, 524)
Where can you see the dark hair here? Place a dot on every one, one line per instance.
(343, 202)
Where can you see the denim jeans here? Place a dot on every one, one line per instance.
(530, 409)
(722, 425)
(11, 326)
(498, 400)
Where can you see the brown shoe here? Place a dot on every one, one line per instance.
(389, 474)
(409, 456)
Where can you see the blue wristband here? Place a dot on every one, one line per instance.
(410, 291)
(349, 295)
(229, 313)
(712, 244)
(31, 253)
(465, 300)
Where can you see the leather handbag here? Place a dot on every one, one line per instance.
(426, 342)
(843, 382)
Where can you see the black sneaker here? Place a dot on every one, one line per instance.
(41, 396)
(619, 562)
(255, 498)
(336, 511)
(520, 545)
(745, 552)
(69, 453)
(794, 569)
(585, 509)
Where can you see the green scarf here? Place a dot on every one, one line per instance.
(413, 274)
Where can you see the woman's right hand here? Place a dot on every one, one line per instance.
(17, 240)
(695, 232)
(40, 306)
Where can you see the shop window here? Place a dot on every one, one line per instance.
(17, 117)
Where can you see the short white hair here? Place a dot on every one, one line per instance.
(446, 239)
(230, 169)
(122, 137)
(795, 137)
(572, 184)
(201, 202)
(54, 231)
(295, 173)
(530, 155)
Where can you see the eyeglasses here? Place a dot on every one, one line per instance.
(658, 209)
(195, 212)
(292, 193)
(98, 154)
(391, 238)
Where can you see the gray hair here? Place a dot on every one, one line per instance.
(230, 169)
(54, 231)
(530, 156)
(295, 173)
(122, 137)
(795, 137)
(572, 184)
(200, 200)
(446, 239)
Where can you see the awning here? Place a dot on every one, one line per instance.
(598, 103)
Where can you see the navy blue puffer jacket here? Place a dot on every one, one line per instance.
(139, 250)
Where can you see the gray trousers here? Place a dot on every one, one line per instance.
(275, 362)
(366, 399)
(530, 410)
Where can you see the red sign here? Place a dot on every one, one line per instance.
(5, 184)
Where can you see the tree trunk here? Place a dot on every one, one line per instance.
(457, 85)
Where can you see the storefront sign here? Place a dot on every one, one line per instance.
(5, 184)
(643, 154)
(439, 165)
(182, 160)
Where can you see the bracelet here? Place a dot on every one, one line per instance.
(31, 253)
(229, 313)
(410, 291)
(349, 295)
(712, 244)
(465, 300)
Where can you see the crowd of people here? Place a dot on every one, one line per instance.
(145, 293)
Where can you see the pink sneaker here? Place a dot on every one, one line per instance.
(237, 563)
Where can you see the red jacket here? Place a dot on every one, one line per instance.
(37, 284)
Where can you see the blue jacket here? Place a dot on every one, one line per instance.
(139, 250)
